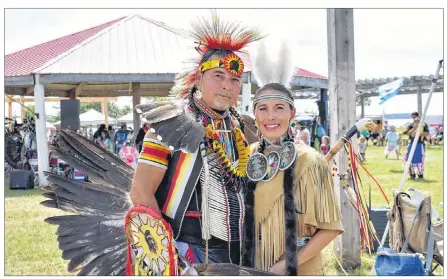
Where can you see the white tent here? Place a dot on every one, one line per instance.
(128, 118)
(91, 117)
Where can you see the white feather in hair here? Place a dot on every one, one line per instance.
(266, 70)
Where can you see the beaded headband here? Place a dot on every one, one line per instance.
(232, 63)
(270, 96)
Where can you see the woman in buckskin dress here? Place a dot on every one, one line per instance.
(292, 212)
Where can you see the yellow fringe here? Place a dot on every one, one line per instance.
(311, 170)
(272, 245)
(312, 177)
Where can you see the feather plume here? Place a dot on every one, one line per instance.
(214, 34)
(267, 71)
(218, 34)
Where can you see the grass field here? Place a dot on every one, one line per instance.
(31, 245)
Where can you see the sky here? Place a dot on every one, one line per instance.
(388, 42)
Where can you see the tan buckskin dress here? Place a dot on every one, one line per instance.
(315, 197)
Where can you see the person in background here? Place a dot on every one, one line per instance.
(365, 133)
(362, 145)
(375, 136)
(318, 133)
(302, 133)
(121, 137)
(140, 136)
(107, 143)
(439, 136)
(392, 146)
(418, 160)
(129, 154)
(111, 132)
(325, 145)
(97, 136)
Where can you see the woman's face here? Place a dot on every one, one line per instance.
(273, 116)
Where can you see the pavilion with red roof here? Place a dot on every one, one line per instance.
(129, 56)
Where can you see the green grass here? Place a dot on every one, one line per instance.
(388, 172)
(31, 244)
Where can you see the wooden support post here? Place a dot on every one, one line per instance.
(41, 131)
(420, 100)
(246, 95)
(10, 110)
(342, 95)
(105, 111)
(136, 99)
(22, 108)
(362, 104)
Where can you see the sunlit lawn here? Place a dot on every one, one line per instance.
(31, 247)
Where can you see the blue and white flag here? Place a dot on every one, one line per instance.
(389, 90)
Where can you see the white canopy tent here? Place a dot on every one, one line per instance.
(128, 119)
(91, 117)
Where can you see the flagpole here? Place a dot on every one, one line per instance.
(415, 140)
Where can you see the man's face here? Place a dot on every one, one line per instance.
(219, 88)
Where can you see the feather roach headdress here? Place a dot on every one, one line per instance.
(268, 71)
(215, 35)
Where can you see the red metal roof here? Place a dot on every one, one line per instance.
(304, 73)
(25, 61)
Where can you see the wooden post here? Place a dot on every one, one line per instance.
(342, 96)
(10, 109)
(362, 104)
(419, 100)
(105, 111)
(136, 100)
(41, 131)
(246, 95)
(22, 108)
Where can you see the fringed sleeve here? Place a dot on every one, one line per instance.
(315, 193)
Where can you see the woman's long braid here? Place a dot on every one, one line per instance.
(249, 241)
(290, 219)
(236, 115)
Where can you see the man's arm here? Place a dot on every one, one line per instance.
(145, 183)
(150, 171)
(410, 130)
